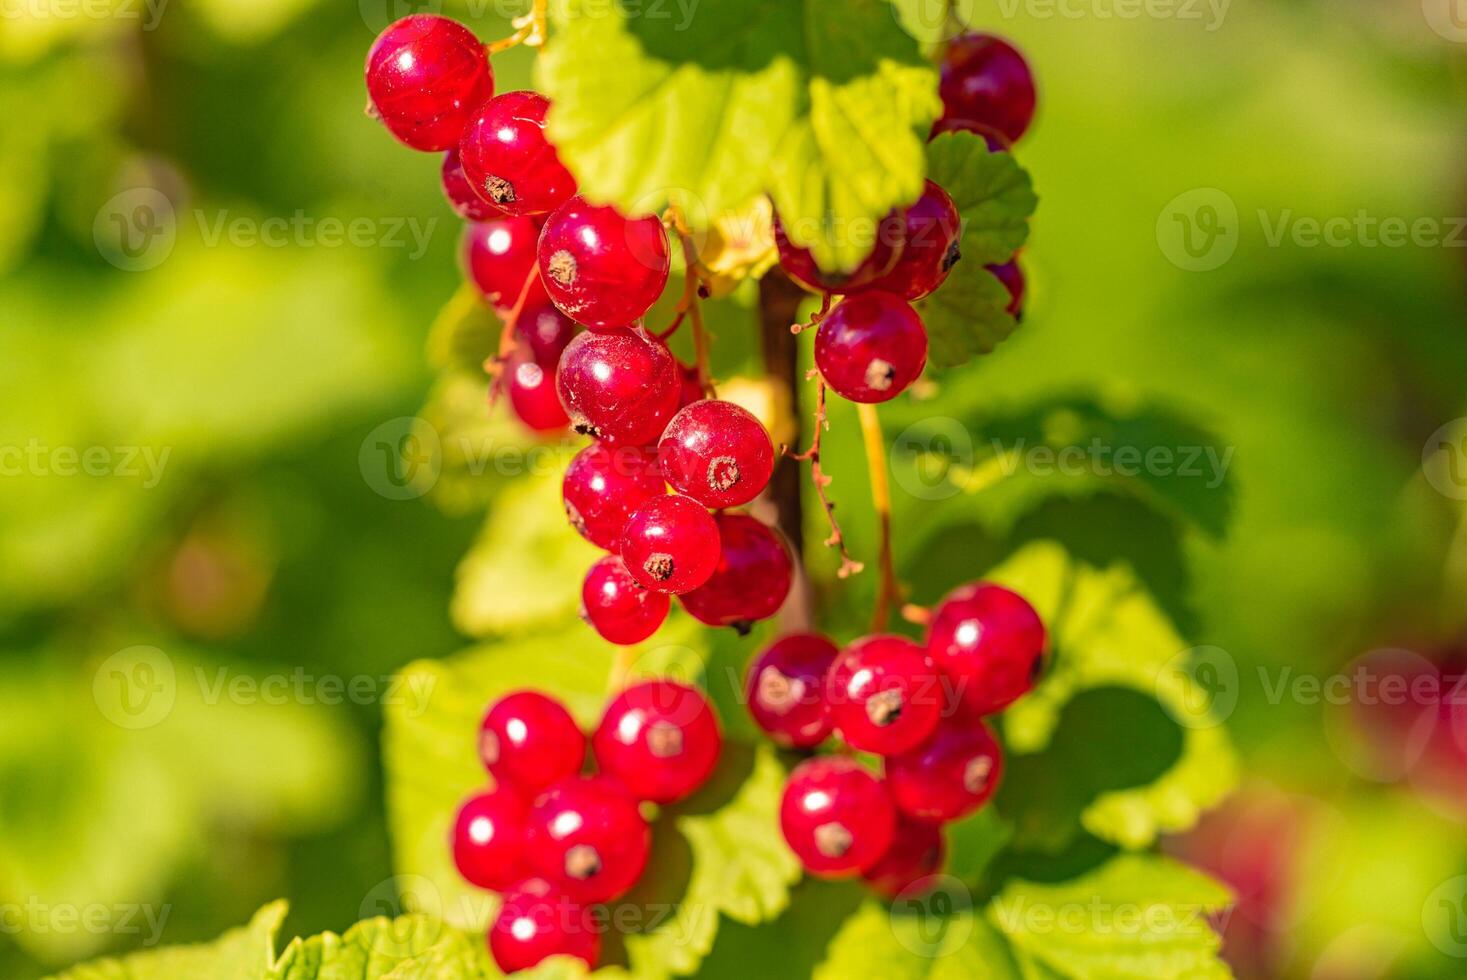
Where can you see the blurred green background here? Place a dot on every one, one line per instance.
(231, 383)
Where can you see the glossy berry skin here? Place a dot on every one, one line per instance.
(617, 606)
(532, 393)
(836, 817)
(871, 347)
(499, 255)
(799, 262)
(984, 79)
(659, 739)
(785, 689)
(600, 267)
(948, 776)
(717, 453)
(603, 485)
(529, 741)
(989, 642)
(670, 544)
(1012, 277)
(461, 197)
(884, 695)
(911, 863)
(545, 331)
(752, 577)
(489, 839)
(619, 386)
(425, 76)
(507, 159)
(997, 142)
(535, 923)
(588, 839)
(929, 246)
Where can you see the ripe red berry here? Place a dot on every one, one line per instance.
(836, 817)
(545, 330)
(929, 246)
(884, 695)
(601, 267)
(1012, 277)
(752, 577)
(535, 923)
(425, 75)
(659, 739)
(499, 255)
(508, 160)
(871, 347)
(489, 839)
(619, 386)
(990, 643)
(588, 839)
(461, 197)
(603, 486)
(717, 453)
(997, 142)
(528, 740)
(670, 544)
(799, 262)
(785, 686)
(911, 862)
(984, 79)
(619, 607)
(948, 776)
(532, 392)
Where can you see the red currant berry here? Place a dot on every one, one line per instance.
(532, 393)
(984, 79)
(717, 453)
(929, 249)
(599, 266)
(617, 606)
(948, 776)
(871, 347)
(1012, 277)
(499, 255)
(461, 197)
(603, 486)
(752, 577)
(619, 386)
(670, 544)
(659, 739)
(785, 686)
(836, 817)
(997, 142)
(546, 331)
(588, 839)
(508, 160)
(528, 740)
(535, 923)
(990, 643)
(911, 863)
(425, 75)
(489, 839)
(692, 388)
(884, 695)
(799, 262)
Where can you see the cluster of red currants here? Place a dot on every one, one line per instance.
(556, 842)
(920, 707)
(872, 345)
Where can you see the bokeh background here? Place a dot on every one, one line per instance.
(193, 397)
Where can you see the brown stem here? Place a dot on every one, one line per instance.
(848, 565)
(779, 305)
(692, 291)
(889, 594)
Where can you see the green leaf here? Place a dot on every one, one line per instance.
(818, 102)
(1134, 917)
(922, 940)
(378, 948)
(240, 954)
(967, 315)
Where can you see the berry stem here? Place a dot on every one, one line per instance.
(890, 592)
(494, 366)
(848, 565)
(692, 290)
(531, 31)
